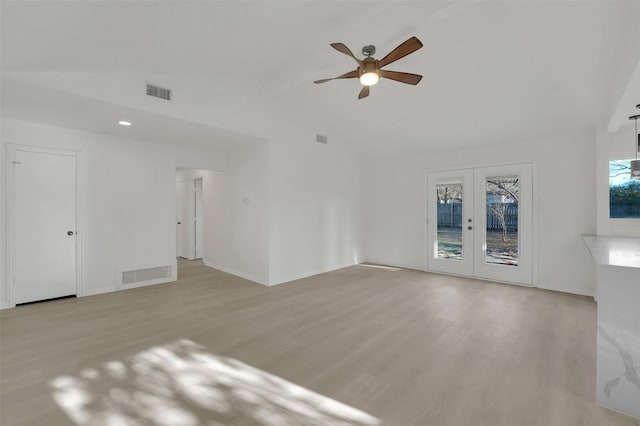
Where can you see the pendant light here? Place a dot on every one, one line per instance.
(635, 164)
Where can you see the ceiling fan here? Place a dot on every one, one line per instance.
(370, 69)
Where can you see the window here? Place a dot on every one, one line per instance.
(624, 192)
(502, 195)
(449, 207)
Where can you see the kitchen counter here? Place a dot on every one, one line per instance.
(618, 348)
(614, 251)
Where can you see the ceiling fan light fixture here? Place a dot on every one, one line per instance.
(369, 78)
(369, 72)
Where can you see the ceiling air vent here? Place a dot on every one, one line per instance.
(158, 92)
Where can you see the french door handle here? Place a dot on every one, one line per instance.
(69, 233)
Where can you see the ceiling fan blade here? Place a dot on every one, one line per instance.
(350, 74)
(402, 77)
(401, 51)
(340, 47)
(364, 92)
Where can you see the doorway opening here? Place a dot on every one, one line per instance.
(189, 219)
(189, 215)
(197, 204)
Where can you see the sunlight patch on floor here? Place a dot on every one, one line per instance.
(388, 268)
(182, 384)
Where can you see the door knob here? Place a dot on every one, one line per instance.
(69, 233)
(469, 228)
(179, 223)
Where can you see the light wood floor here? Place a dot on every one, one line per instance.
(404, 347)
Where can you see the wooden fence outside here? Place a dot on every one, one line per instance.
(624, 210)
(450, 216)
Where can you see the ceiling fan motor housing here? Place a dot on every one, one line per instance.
(369, 65)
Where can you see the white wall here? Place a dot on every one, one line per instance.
(274, 212)
(236, 215)
(393, 205)
(128, 191)
(290, 206)
(618, 104)
(314, 204)
(311, 207)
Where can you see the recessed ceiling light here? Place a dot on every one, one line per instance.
(124, 123)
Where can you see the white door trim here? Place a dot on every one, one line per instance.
(10, 188)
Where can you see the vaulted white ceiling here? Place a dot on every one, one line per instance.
(494, 71)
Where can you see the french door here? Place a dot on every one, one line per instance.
(480, 224)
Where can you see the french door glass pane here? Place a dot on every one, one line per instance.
(502, 196)
(449, 221)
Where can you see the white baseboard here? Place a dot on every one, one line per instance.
(6, 305)
(98, 290)
(295, 277)
(102, 290)
(578, 291)
(233, 272)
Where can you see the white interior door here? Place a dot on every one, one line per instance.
(450, 241)
(186, 219)
(44, 225)
(480, 223)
